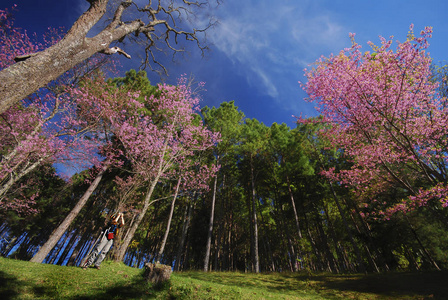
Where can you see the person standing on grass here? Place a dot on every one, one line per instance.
(106, 241)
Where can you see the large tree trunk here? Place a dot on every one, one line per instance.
(57, 234)
(210, 228)
(25, 77)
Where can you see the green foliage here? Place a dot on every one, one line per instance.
(254, 137)
(52, 202)
(136, 82)
(227, 120)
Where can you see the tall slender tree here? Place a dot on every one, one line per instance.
(155, 144)
(227, 120)
(255, 136)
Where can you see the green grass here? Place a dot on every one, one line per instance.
(25, 280)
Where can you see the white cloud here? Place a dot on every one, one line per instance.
(272, 43)
(267, 82)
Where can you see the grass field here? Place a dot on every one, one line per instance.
(25, 280)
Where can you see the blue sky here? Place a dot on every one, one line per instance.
(260, 48)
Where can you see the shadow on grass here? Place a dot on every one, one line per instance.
(11, 288)
(138, 288)
(431, 285)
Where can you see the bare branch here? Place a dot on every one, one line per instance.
(174, 18)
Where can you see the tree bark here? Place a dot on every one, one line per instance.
(25, 77)
(59, 247)
(57, 234)
(296, 217)
(332, 234)
(362, 268)
(67, 249)
(38, 69)
(330, 261)
(425, 251)
(168, 225)
(187, 219)
(210, 228)
(256, 259)
(130, 234)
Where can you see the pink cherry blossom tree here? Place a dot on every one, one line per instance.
(159, 142)
(41, 128)
(97, 103)
(387, 117)
(45, 127)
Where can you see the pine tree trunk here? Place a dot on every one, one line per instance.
(312, 242)
(380, 256)
(59, 247)
(330, 262)
(256, 259)
(266, 244)
(210, 228)
(332, 233)
(67, 249)
(79, 245)
(362, 268)
(292, 252)
(425, 251)
(57, 234)
(186, 225)
(293, 204)
(168, 225)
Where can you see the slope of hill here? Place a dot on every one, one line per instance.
(25, 280)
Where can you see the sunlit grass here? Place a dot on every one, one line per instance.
(25, 280)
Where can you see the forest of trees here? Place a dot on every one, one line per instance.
(361, 188)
